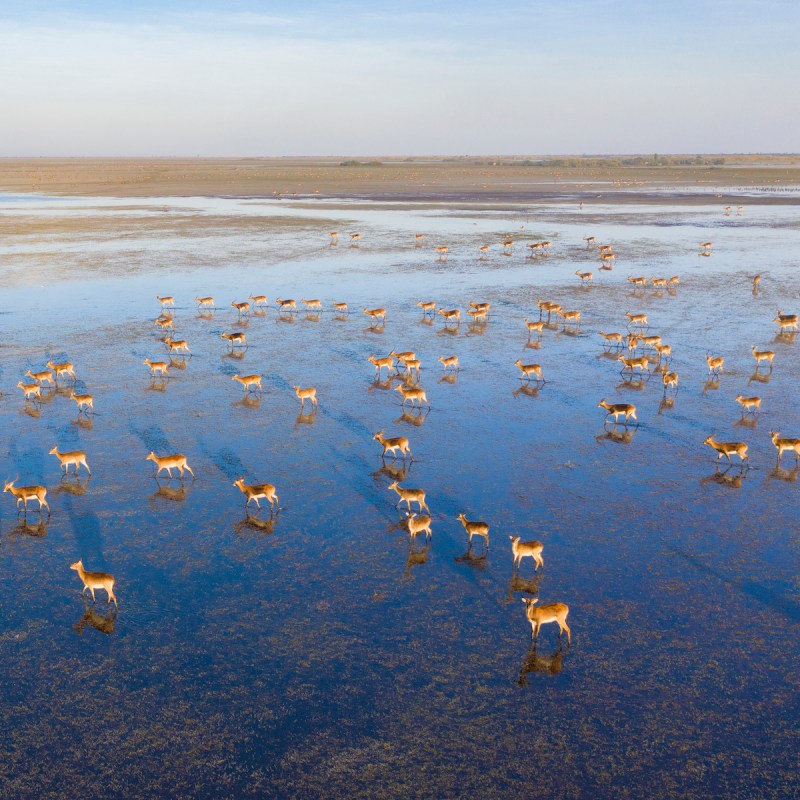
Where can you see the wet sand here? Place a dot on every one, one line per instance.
(316, 652)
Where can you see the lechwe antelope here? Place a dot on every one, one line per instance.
(83, 401)
(341, 308)
(95, 580)
(334, 236)
(409, 496)
(612, 338)
(792, 445)
(375, 314)
(380, 363)
(418, 524)
(64, 368)
(727, 449)
(25, 493)
(166, 300)
(442, 251)
(45, 376)
(541, 615)
(76, 457)
(641, 363)
(569, 317)
(427, 305)
(204, 302)
(752, 404)
(664, 351)
(653, 342)
(235, 338)
(354, 237)
(762, 355)
(157, 367)
(176, 345)
(715, 364)
(670, 380)
(590, 240)
(449, 362)
(178, 461)
(785, 321)
(306, 394)
(586, 277)
(392, 444)
(475, 528)
(31, 390)
(529, 369)
(674, 280)
(315, 305)
(165, 323)
(478, 314)
(532, 549)
(286, 305)
(534, 327)
(405, 355)
(617, 410)
(636, 319)
(249, 383)
(410, 394)
(256, 491)
(706, 245)
(259, 300)
(607, 257)
(659, 283)
(481, 306)
(242, 308)
(450, 314)
(641, 281)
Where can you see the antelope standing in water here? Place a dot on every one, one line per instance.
(541, 615)
(259, 300)
(728, 449)
(156, 367)
(242, 308)
(83, 401)
(306, 394)
(312, 305)
(32, 391)
(756, 281)
(451, 314)
(167, 301)
(165, 323)
(529, 369)
(751, 404)
(355, 238)
(586, 277)
(670, 380)
(250, 383)
(715, 364)
(205, 302)
(706, 245)
(76, 457)
(442, 251)
(334, 237)
(418, 524)
(618, 410)
(475, 528)
(590, 240)
(785, 322)
(784, 445)
(639, 320)
(178, 461)
(641, 363)
(341, 308)
(375, 314)
(380, 363)
(176, 345)
(265, 491)
(392, 444)
(409, 496)
(534, 327)
(64, 368)
(532, 549)
(45, 376)
(25, 493)
(762, 355)
(286, 305)
(95, 580)
(412, 394)
(611, 338)
(427, 305)
(235, 338)
(637, 281)
(449, 362)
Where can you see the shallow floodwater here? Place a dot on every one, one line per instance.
(315, 652)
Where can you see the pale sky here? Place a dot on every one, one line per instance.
(208, 77)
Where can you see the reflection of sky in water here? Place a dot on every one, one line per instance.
(321, 655)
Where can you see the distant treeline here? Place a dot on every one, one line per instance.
(354, 163)
(631, 161)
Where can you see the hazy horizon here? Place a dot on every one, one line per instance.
(246, 79)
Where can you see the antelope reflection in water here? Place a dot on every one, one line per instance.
(759, 377)
(528, 390)
(520, 585)
(448, 377)
(625, 436)
(253, 521)
(36, 530)
(157, 384)
(248, 400)
(92, 619)
(414, 417)
(416, 557)
(306, 417)
(535, 662)
(711, 385)
(176, 494)
(783, 474)
(73, 485)
(396, 471)
(477, 561)
(731, 476)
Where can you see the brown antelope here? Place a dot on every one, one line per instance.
(258, 300)
(641, 363)
(535, 247)
(176, 345)
(306, 394)
(453, 313)
(165, 323)
(641, 281)
(663, 350)
(204, 302)
(256, 491)
(45, 376)
(178, 461)
(286, 305)
(157, 367)
(25, 493)
(617, 410)
(76, 457)
(763, 355)
(508, 244)
(418, 524)
(756, 281)
(64, 368)
(235, 338)
(405, 355)
(653, 342)
(541, 615)
(607, 257)
(427, 305)
(568, 317)
(532, 549)
(341, 307)
(312, 304)
(249, 382)
(633, 342)
(442, 251)
(727, 449)
(480, 306)
(391, 445)
(412, 365)
(537, 327)
(605, 248)
(449, 362)
(483, 249)
(475, 528)
(785, 322)
(674, 280)
(670, 380)
(715, 364)
(83, 401)
(550, 308)
(636, 319)
(660, 283)
(783, 445)
(477, 314)
(334, 236)
(375, 314)
(419, 237)
(31, 390)
(749, 403)
(95, 580)
(380, 363)
(611, 338)
(586, 277)
(242, 308)
(411, 394)
(409, 496)
(706, 245)
(166, 301)
(354, 237)
(529, 369)
(590, 240)
(546, 245)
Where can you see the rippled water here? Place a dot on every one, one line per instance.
(316, 652)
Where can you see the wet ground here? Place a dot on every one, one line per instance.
(316, 652)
